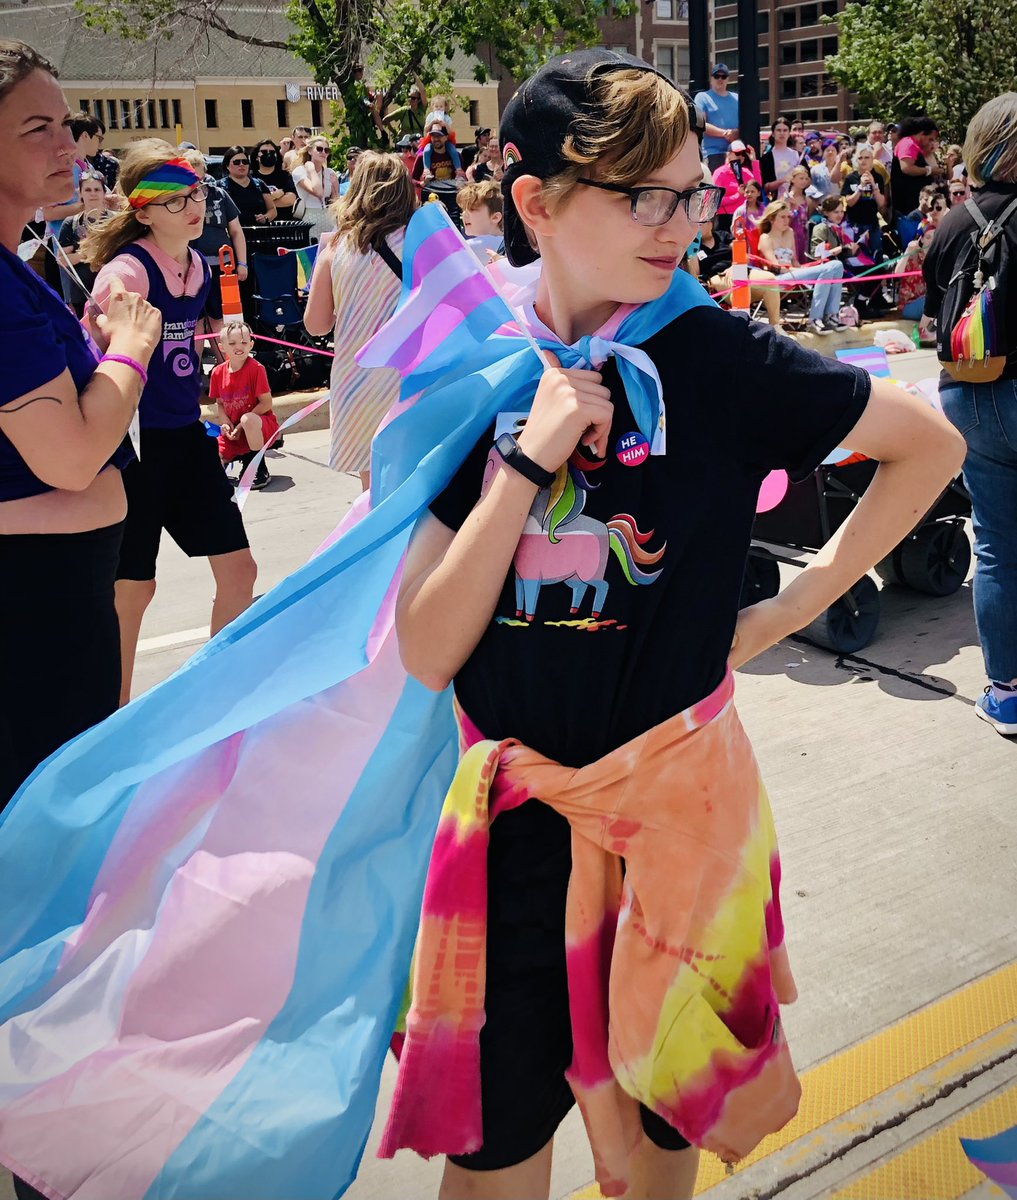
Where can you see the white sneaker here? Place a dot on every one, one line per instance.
(818, 327)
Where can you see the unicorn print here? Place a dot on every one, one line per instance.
(560, 545)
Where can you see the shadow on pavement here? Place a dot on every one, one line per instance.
(915, 632)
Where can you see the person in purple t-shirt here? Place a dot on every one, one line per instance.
(178, 484)
(64, 411)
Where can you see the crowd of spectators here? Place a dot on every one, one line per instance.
(869, 200)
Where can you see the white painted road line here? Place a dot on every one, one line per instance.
(166, 640)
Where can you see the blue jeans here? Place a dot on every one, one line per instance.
(986, 414)
(825, 296)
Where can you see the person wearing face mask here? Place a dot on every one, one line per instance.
(267, 161)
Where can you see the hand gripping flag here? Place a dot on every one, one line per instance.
(996, 1157)
(208, 902)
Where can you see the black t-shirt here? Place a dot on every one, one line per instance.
(864, 211)
(952, 245)
(715, 259)
(249, 200)
(656, 549)
(905, 189)
(282, 180)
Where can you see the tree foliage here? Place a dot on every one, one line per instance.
(940, 57)
(401, 38)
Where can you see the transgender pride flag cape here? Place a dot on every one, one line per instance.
(996, 1157)
(208, 903)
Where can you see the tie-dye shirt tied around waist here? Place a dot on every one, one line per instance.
(676, 963)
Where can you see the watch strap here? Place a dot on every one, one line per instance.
(514, 456)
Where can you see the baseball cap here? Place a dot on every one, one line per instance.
(540, 116)
(437, 127)
(737, 146)
(720, 69)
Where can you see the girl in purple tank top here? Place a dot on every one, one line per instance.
(178, 483)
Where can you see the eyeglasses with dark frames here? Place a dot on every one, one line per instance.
(178, 203)
(657, 205)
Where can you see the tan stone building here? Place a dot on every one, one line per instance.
(210, 90)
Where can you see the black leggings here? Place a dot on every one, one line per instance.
(60, 653)
(61, 645)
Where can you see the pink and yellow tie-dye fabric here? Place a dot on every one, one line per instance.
(677, 966)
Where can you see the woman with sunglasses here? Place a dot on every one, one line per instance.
(178, 484)
(267, 158)
(64, 412)
(253, 198)
(317, 186)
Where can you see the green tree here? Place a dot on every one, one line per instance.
(403, 39)
(940, 57)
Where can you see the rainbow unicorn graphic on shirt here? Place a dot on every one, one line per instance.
(560, 545)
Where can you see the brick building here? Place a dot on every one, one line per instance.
(210, 90)
(792, 47)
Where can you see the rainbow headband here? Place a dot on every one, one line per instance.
(176, 175)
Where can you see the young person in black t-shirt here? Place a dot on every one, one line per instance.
(575, 664)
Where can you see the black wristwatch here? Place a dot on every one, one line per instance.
(509, 449)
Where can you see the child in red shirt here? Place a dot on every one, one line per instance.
(240, 387)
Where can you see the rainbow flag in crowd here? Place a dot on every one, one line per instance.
(306, 258)
(208, 903)
(996, 1157)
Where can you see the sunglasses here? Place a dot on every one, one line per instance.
(657, 205)
(320, 149)
(939, 208)
(240, 162)
(958, 195)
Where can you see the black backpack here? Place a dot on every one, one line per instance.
(972, 340)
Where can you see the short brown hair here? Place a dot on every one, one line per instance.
(486, 194)
(610, 138)
(17, 61)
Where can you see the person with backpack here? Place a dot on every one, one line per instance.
(356, 283)
(972, 294)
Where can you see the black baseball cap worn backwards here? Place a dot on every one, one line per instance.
(540, 116)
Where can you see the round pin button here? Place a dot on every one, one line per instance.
(632, 449)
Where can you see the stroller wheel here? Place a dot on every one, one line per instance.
(849, 624)
(761, 580)
(934, 558)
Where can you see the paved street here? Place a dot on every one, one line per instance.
(897, 813)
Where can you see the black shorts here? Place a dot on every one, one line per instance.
(180, 486)
(213, 301)
(526, 1041)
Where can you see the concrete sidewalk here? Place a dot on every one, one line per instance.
(897, 814)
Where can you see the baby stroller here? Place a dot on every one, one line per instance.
(280, 303)
(933, 558)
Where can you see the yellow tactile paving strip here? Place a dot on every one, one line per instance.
(890, 1057)
(937, 1167)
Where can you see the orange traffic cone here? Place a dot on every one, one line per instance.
(229, 286)
(741, 294)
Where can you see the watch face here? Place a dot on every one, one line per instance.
(505, 444)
